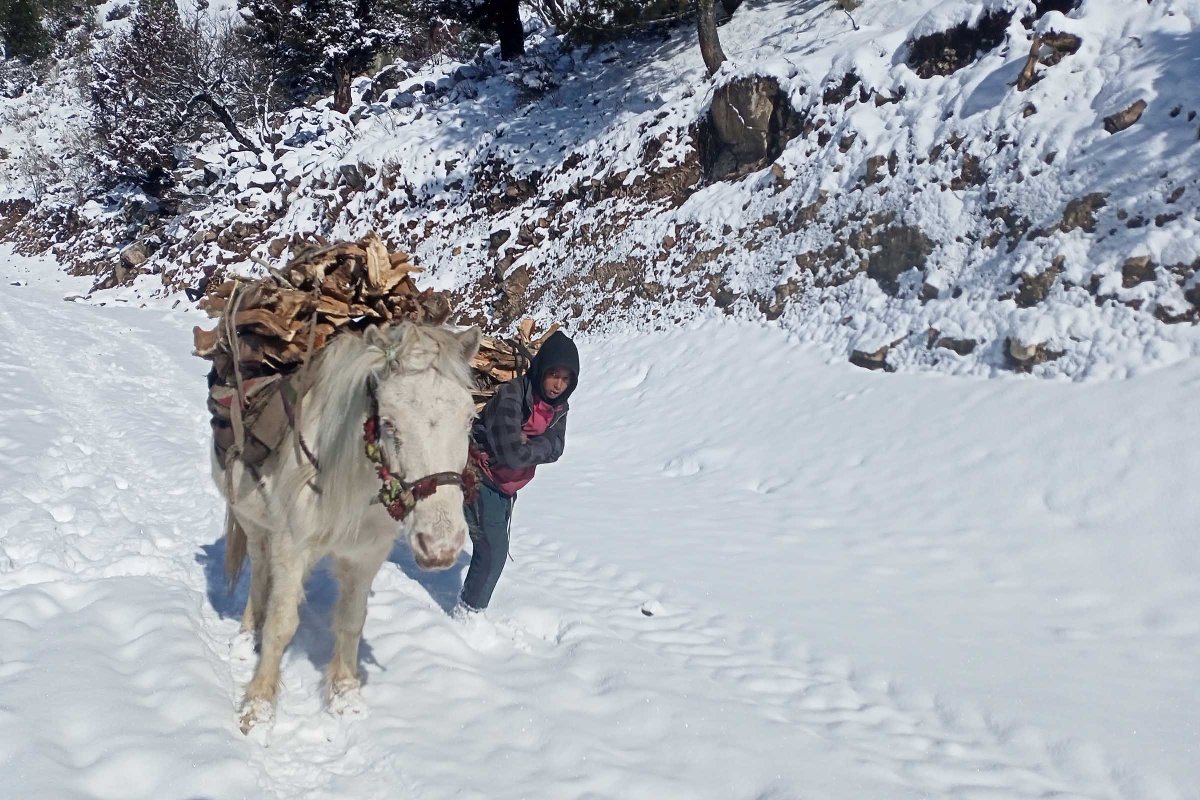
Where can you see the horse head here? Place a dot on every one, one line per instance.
(423, 412)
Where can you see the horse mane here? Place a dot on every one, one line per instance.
(339, 401)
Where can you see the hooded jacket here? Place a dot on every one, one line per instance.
(511, 455)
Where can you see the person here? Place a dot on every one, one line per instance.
(522, 426)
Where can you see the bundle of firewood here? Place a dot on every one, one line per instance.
(501, 360)
(328, 290)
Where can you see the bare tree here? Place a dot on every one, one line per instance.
(160, 84)
(505, 17)
(706, 31)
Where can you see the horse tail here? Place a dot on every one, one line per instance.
(235, 549)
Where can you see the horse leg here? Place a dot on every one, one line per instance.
(354, 585)
(287, 568)
(260, 588)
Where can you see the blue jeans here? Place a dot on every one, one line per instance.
(487, 521)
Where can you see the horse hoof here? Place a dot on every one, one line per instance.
(256, 713)
(345, 697)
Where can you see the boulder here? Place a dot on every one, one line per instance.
(403, 100)
(390, 77)
(351, 175)
(1135, 270)
(748, 125)
(963, 347)
(365, 89)
(1022, 357)
(1123, 119)
(468, 72)
(134, 255)
(1081, 212)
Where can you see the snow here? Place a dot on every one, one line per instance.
(755, 574)
(427, 168)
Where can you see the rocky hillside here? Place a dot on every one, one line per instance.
(967, 187)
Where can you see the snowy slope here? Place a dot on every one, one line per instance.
(861, 586)
(932, 223)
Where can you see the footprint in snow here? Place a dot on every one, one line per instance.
(681, 467)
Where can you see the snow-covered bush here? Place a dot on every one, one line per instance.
(325, 44)
(140, 94)
(21, 30)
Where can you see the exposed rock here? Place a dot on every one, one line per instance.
(1023, 357)
(946, 52)
(875, 169)
(1123, 119)
(1135, 270)
(497, 238)
(1017, 226)
(839, 92)
(901, 248)
(971, 174)
(783, 293)
(366, 90)
(133, 256)
(213, 173)
(352, 176)
(1033, 289)
(1081, 212)
(748, 125)
(875, 360)
(963, 347)
(468, 72)
(390, 77)
(1169, 318)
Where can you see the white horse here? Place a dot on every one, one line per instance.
(414, 381)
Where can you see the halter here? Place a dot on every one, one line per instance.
(399, 496)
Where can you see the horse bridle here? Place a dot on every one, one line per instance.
(399, 496)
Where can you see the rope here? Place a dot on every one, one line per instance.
(235, 408)
(302, 390)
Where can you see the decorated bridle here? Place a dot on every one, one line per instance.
(399, 496)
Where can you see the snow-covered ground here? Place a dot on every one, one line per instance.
(859, 586)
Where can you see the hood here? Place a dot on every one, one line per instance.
(558, 351)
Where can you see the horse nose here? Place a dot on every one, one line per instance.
(430, 556)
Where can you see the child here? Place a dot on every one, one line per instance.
(523, 425)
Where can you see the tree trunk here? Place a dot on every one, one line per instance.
(706, 30)
(341, 86)
(506, 19)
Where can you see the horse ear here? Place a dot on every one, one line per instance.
(374, 336)
(405, 334)
(469, 340)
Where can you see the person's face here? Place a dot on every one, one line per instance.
(555, 382)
